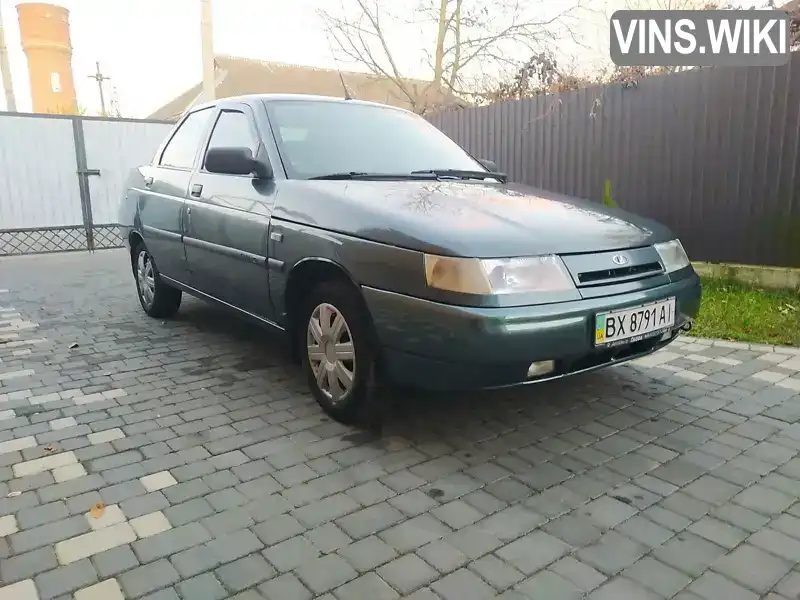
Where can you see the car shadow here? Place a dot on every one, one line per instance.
(418, 416)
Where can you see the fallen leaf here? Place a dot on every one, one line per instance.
(50, 448)
(73, 345)
(98, 510)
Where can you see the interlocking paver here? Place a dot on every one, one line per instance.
(284, 587)
(368, 553)
(719, 532)
(8, 525)
(752, 568)
(24, 590)
(621, 587)
(291, 553)
(328, 537)
(367, 586)
(414, 533)
(547, 584)
(114, 561)
(496, 572)
(148, 578)
(607, 512)
(689, 553)
(462, 584)
(658, 577)
(150, 524)
(65, 580)
(245, 572)
(408, 573)
(27, 565)
(612, 553)
(579, 574)
(712, 586)
(326, 573)
(221, 478)
(533, 552)
(106, 590)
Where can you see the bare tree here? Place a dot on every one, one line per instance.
(542, 73)
(794, 26)
(469, 39)
(672, 4)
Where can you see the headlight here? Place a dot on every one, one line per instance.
(672, 255)
(497, 275)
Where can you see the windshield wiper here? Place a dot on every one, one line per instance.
(424, 175)
(462, 174)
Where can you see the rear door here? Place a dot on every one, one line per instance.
(161, 209)
(227, 220)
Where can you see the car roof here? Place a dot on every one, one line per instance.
(267, 98)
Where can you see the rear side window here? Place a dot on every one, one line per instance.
(233, 129)
(182, 148)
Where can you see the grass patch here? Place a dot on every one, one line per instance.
(736, 311)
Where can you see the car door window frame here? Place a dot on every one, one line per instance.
(201, 143)
(257, 138)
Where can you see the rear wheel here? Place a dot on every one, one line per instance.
(337, 350)
(158, 299)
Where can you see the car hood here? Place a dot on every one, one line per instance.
(464, 218)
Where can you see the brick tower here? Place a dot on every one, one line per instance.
(44, 30)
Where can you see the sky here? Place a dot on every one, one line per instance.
(151, 48)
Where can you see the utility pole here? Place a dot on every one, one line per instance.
(100, 78)
(207, 44)
(5, 69)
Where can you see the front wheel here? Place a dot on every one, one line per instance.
(157, 298)
(337, 350)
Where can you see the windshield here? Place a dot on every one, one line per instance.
(318, 138)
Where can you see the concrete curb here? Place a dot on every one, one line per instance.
(778, 278)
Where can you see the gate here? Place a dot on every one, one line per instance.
(61, 178)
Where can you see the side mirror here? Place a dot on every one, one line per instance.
(236, 161)
(489, 164)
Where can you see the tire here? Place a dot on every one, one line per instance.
(158, 299)
(345, 377)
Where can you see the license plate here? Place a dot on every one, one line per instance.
(633, 324)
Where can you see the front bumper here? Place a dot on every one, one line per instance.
(439, 346)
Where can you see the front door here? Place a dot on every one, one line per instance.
(227, 221)
(161, 208)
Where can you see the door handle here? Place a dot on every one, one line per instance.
(148, 181)
(197, 189)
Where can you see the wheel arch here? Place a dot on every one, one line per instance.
(303, 277)
(134, 240)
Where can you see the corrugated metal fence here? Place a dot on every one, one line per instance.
(712, 153)
(61, 177)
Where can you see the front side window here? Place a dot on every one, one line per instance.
(182, 148)
(233, 129)
(320, 138)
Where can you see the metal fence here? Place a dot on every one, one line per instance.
(61, 178)
(712, 153)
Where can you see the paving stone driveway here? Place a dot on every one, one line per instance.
(184, 459)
